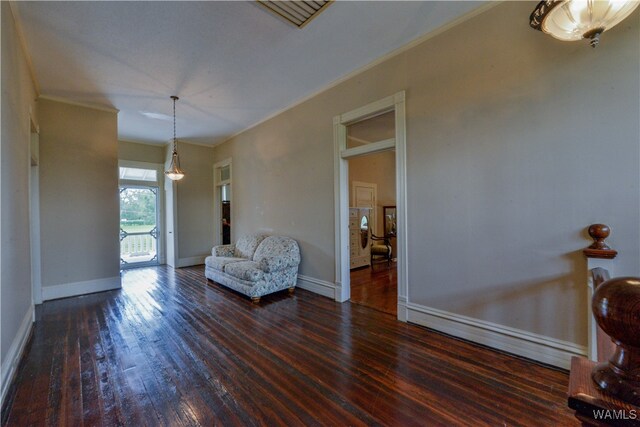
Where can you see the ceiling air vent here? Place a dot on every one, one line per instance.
(299, 13)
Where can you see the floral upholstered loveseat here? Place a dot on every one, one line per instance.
(256, 265)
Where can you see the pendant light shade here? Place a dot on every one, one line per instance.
(570, 20)
(174, 172)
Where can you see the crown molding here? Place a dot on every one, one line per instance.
(78, 104)
(23, 44)
(415, 42)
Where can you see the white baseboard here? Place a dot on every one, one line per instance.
(339, 294)
(326, 289)
(188, 262)
(403, 313)
(516, 341)
(10, 362)
(80, 288)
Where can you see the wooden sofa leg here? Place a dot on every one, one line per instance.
(255, 300)
(291, 290)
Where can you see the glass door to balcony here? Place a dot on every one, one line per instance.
(138, 226)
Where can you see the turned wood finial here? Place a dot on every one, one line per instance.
(616, 307)
(599, 249)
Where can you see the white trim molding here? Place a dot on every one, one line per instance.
(81, 288)
(320, 287)
(511, 340)
(79, 104)
(12, 358)
(403, 313)
(188, 262)
(395, 103)
(363, 150)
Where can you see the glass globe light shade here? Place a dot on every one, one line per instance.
(174, 172)
(571, 20)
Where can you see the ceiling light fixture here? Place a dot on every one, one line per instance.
(571, 20)
(174, 172)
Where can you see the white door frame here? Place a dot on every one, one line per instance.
(217, 183)
(394, 103)
(161, 241)
(34, 211)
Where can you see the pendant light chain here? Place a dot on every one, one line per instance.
(175, 141)
(174, 172)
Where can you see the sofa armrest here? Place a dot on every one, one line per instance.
(223, 250)
(276, 263)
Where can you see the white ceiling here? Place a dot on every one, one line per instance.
(232, 63)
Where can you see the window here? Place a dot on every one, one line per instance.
(136, 174)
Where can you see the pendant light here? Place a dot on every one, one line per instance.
(570, 20)
(174, 172)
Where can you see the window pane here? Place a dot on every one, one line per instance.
(138, 226)
(225, 193)
(225, 173)
(378, 128)
(138, 209)
(138, 174)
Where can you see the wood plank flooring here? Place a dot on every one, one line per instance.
(376, 287)
(172, 349)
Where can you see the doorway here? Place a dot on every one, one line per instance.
(222, 201)
(372, 197)
(347, 149)
(139, 226)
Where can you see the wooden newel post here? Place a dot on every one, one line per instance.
(600, 265)
(616, 307)
(601, 392)
(599, 249)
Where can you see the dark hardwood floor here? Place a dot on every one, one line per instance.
(172, 349)
(376, 287)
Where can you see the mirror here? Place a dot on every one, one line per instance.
(364, 231)
(389, 220)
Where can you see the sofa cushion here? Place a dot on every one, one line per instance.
(246, 245)
(285, 248)
(223, 250)
(245, 270)
(220, 262)
(270, 264)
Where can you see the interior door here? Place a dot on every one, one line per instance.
(365, 195)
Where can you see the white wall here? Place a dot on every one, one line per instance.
(283, 182)
(516, 142)
(189, 206)
(139, 152)
(522, 143)
(79, 205)
(18, 95)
